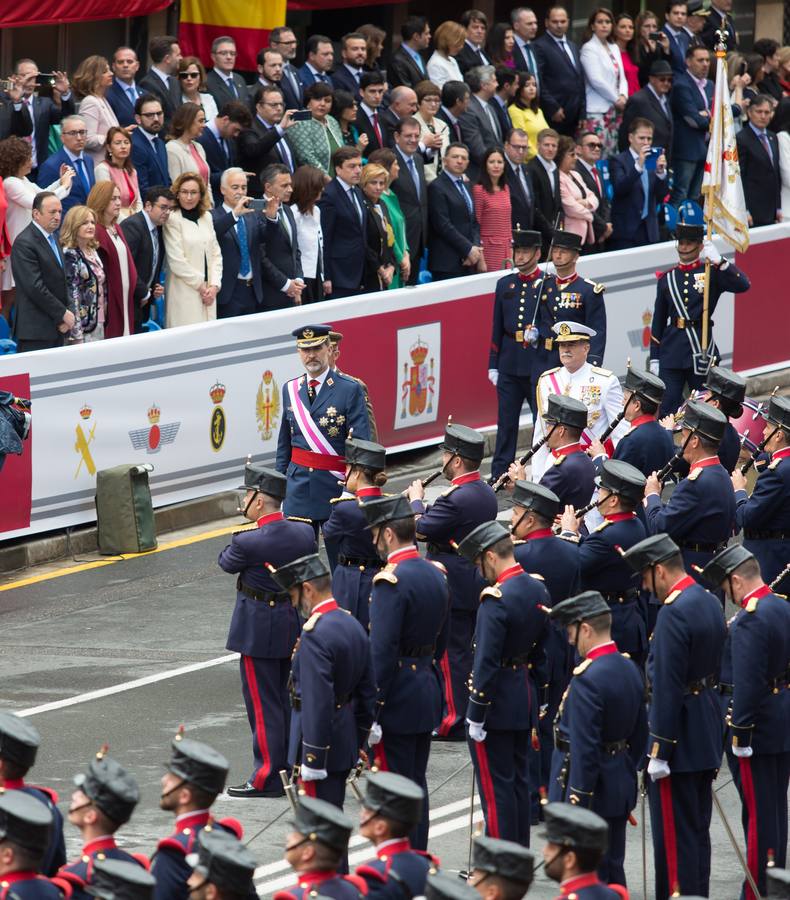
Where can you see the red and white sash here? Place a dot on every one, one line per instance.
(310, 431)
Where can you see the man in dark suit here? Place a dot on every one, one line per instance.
(719, 18)
(218, 139)
(353, 54)
(271, 72)
(344, 225)
(320, 58)
(411, 190)
(73, 134)
(403, 103)
(479, 126)
(507, 84)
(637, 189)
(372, 88)
(561, 74)
(472, 54)
(44, 112)
(223, 83)
(264, 142)
(454, 247)
(14, 117)
(43, 317)
(281, 259)
(456, 97)
(284, 41)
(148, 149)
(122, 94)
(692, 95)
(545, 178)
(522, 200)
(676, 16)
(143, 233)
(652, 103)
(240, 234)
(588, 152)
(525, 30)
(407, 65)
(758, 153)
(160, 79)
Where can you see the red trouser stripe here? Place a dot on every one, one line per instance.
(308, 787)
(670, 835)
(260, 727)
(449, 720)
(749, 798)
(487, 787)
(380, 757)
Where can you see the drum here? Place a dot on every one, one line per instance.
(750, 425)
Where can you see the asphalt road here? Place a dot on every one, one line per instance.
(127, 652)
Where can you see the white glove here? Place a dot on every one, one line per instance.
(493, 376)
(710, 252)
(654, 366)
(375, 734)
(308, 774)
(531, 334)
(476, 731)
(742, 752)
(658, 769)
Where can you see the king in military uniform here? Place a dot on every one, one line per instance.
(676, 352)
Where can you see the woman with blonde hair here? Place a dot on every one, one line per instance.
(448, 41)
(184, 153)
(86, 281)
(380, 262)
(118, 168)
(194, 259)
(90, 81)
(105, 201)
(578, 202)
(389, 159)
(192, 81)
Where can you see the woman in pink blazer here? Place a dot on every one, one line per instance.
(90, 81)
(578, 203)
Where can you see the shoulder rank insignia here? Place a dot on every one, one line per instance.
(440, 566)
(774, 463)
(453, 487)
(384, 575)
(492, 591)
(626, 655)
(751, 606)
(550, 371)
(299, 519)
(518, 541)
(693, 476)
(670, 598)
(583, 666)
(599, 371)
(310, 624)
(536, 575)
(598, 288)
(559, 461)
(341, 498)
(605, 524)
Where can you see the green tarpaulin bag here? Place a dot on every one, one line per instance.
(124, 512)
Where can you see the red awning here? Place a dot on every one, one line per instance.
(58, 12)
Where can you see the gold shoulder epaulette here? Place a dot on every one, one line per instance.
(598, 288)
(751, 606)
(492, 591)
(299, 519)
(341, 498)
(385, 575)
(604, 524)
(536, 575)
(558, 461)
(518, 541)
(440, 566)
(446, 493)
(671, 597)
(583, 666)
(693, 476)
(310, 624)
(550, 371)
(599, 371)
(774, 463)
(626, 655)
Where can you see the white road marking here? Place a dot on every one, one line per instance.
(127, 685)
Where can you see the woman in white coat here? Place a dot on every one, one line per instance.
(194, 259)
(606, 85)
(448, 39)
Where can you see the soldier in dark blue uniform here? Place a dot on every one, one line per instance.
(620, 491)
(511, 633)
(332, 688)
(463, 506)
(264, 626)
(686, 728)
(194, 778)
(320, 409)
(758, 656)
(700, 514)
(676, 332)
(103, 801)
(571, 474)
(600, 735)
(567, 297)
(223, 862)
(391, 808)
(576, 840)
(114, 879)
(765, 516)
(727, 391)
(19, 742)
(315, 850)
(500, 869)
(515, 360)
(409, 618)
(25, 824)
(347, 528)
(445, 887)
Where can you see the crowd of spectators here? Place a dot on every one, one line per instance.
(226, 195)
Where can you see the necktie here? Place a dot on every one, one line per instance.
(131, 93)
(232, 87)
(285, 225)
(155, 257)
(245, 269)
(55, 249)
(465, 194)
(646, 190)
(311, 386)
(766, 145)
(493, 122)
(285, 154)
(523, 181)
(79, 165)
(377, 129)
(597, 180)
(225, 150)
(568, 52)
(355, 203)
(530, 56)
(414, 176)
(420, 64)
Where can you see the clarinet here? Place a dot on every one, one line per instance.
(668, 468)
(504, 477)
(581, 513)
(431, 478)
(614, 423)
(778, 580)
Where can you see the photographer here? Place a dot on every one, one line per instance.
(14, 424)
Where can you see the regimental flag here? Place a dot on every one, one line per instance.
(725, 205)
(247, 23)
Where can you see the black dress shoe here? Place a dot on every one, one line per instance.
(247, 790)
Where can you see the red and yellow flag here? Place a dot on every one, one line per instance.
(247, 23)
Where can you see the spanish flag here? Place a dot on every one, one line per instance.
(247, 23)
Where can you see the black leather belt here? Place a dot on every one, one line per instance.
(247, 282)
(358, 561)
(700, 547)
(697, 687)
(564, 745)
(262, 596)
(620, 596)
(520, 660)
(296, 701)
(750, 535)
(417, 652)
(441, 548)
